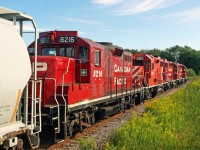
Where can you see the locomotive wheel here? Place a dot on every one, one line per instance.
(122, 108)
(19, 144)
(80, 123)
(92, 119)
(154, 93)
(47, 137)
(70, 129)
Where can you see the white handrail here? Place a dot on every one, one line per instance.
(56, 102)
(63, 82)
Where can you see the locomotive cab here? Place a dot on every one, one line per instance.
(181, 73)
(146, 62)
(165, 71)
(159, 70)
(68, 63)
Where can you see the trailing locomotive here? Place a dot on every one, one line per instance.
(83, 80)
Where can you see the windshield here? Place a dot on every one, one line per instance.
(31, 51)
(67, 52)
(49, 51)
(138, 63)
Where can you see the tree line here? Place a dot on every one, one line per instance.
(184, 55)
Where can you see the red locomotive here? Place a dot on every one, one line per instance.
(83, 80)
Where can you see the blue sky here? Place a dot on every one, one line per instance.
(133, 24)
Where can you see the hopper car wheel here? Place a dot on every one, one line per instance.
(19, 144)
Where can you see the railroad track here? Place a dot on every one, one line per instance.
(107, 126)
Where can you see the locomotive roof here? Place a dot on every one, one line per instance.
(147, 55)
(115, 50)
(92, 43)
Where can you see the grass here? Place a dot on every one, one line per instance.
(87, 144)
(169, 123)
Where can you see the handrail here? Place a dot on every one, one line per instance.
(63, 82)
(140, 76)
(34, 112)
(145, 76)
(68, 65)
(167, 75)
(56, 101)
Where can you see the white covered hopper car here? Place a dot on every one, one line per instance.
(15, 73)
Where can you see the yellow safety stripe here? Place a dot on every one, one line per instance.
(16, 106)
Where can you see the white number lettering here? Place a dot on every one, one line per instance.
(67, 39)
(139, 58)
(61, 39)
(97, 73)
(72, 40)
(44, 40)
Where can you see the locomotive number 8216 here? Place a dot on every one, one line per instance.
(67, 39)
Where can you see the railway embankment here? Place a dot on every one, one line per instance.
(168, 121)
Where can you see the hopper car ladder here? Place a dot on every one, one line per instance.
(32, 119)
(35, 113)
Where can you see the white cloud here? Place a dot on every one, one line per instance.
(106, 2)
(132, 7)
(82, 21)
(140, 6)
(187, 15)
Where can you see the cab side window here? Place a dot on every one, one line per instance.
(147, 65)
(83, 53)
(97, 58)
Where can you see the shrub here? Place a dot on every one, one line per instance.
(87, 144)
(171, 122)
(191, 73)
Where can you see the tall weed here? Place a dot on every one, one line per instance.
(171, 122)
